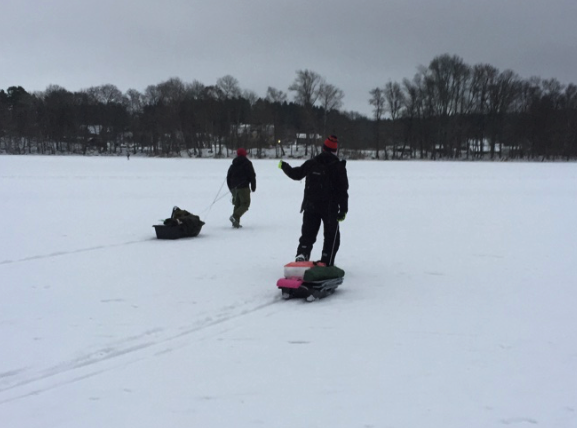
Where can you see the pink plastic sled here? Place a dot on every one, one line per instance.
(289, 282)
(294, 285)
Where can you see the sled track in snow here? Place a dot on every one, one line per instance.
(131, 349)
(66, 253)
(21, 382)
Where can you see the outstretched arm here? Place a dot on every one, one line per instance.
(297, 173)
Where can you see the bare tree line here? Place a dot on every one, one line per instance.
(447, 110)
(453, 110)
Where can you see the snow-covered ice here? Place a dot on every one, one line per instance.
(457, 309)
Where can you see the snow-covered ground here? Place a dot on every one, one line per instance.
(458, 308)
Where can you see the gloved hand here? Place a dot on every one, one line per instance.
(341, 216)
(253, 188)
(280, 162)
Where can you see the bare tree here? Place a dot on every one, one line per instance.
(482, 77)
(195, 89)
(152, 95)
(414, 114)
(229, 87)
(172, 91)
(445, 82)
(250, 96)
(330, 98)
(163, 123)
(277, 98)
(377, 100)
(134, 101)
(62, 121)
(105, 94)
(109, 115)
(275, 95)
(394, 101)
(502, 94)
(306, 87)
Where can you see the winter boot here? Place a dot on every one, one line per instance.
(235, 222)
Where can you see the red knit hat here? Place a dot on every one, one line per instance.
(241, 152)
(331, 143)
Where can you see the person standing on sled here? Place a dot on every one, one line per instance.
(326, 200)
(240, 175)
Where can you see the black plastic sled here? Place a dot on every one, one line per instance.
(309, 280)
(311, 291)
(181, 224)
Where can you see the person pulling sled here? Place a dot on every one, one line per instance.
(326, 200)
(239, 177)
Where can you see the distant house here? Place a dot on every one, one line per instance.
(302, 139)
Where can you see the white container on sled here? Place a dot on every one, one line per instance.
(297, 269)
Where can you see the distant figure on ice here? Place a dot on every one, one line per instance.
(128, 155)
(240, 175)
(326, 200)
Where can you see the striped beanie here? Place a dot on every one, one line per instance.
(331, 143)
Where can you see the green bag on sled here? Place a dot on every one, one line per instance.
(322, 273)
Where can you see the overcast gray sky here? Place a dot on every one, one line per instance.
(355, 45)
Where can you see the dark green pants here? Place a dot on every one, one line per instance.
(241, 201)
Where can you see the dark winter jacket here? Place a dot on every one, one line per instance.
(241, 174)
(327, 183)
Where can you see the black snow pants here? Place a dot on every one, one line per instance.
(332, 237)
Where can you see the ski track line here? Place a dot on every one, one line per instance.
(111, 354)
(66, 253)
